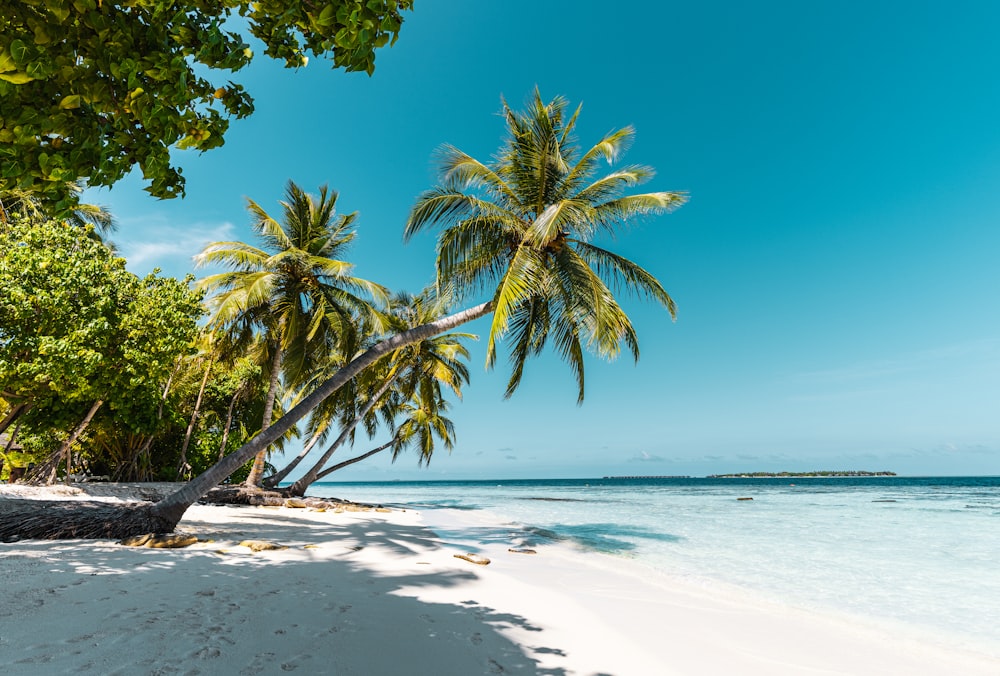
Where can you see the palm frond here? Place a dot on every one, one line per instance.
(624, 275)
(523, 277)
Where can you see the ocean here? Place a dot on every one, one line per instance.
(914, 555)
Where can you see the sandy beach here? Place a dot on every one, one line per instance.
(376, 592)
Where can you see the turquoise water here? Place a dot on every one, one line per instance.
(918, 553)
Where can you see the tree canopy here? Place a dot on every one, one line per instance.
(523, 228)
(90, 88)
(76, 326)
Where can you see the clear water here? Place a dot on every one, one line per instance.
(922, 553)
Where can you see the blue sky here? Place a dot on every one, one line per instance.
(835, 269)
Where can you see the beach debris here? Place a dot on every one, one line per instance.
(742, 499)
(159, 540)
(521, 551)
(261, 545)
(382, 509)
(883, 501)
(295, 503)
(474, 558)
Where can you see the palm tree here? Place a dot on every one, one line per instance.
(292, 292)
(422, 366)
(520, 230)
(424, 421)
(525, 225)
(26, 204)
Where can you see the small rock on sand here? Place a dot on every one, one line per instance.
(261, 545)
(159, 541)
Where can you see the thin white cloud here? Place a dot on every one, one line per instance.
(643, 456)
(170, 247)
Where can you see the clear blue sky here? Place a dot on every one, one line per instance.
(836, 269)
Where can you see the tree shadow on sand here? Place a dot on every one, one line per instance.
(240, 613)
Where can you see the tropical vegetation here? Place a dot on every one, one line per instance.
(325, 354)
(91, 88)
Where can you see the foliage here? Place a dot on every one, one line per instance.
(90, 88)
(294, 290)
(294, 297)
(407, 382)
(522, 228)
(76, 327)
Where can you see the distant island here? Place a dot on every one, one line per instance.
(798, 475)
(649, 476)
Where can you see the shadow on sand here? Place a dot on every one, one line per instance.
(96, 607)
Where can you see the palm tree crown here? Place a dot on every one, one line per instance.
(295, 288)
(522, 228)
(293, 294)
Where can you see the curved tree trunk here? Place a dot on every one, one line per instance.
(359, 458)
(307, 479)
(257, 471)
(275, 479)
(182, 463)
(13, 414)
(66, 450)
(229, 424)
(11, 438)
(170, 510)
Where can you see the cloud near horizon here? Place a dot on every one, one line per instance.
(643, 456)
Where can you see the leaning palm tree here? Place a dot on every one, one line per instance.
(420, 367)
(520, 230)
(291, 292)
(424, 420)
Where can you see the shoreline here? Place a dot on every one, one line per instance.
(382, 593)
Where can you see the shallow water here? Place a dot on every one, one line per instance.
(920, 553)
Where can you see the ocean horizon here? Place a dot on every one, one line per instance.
(914, 555)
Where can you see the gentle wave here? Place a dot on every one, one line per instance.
(920, 551)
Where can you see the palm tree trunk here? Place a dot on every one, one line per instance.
(66, 450)
(194, 418)
(229, 424)
(359, 458)
(275, 479)
(257, 471)
(307, 479)
(170, 510)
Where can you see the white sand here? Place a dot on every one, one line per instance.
(374, 593)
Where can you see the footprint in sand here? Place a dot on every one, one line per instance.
(258, 664)
(207, 653)
(476, 638)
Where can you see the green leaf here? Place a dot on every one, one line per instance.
(18, 50)
(69, 102)
(16, 78)
(6, 62)
(327, 16)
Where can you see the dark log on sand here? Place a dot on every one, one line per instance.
(30, 519)
(65, 519)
